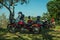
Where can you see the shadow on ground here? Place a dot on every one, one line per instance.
(44, 35)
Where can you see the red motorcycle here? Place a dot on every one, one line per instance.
(21, 26)
(14, 27)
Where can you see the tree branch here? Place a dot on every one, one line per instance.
(6, 7)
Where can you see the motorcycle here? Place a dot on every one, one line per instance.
(21, 26)
(36, 28)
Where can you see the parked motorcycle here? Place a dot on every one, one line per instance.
(36, 28)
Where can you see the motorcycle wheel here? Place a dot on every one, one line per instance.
(35, 30)
(11, 28)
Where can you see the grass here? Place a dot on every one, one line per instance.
(5, 35)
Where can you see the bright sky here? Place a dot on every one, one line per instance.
(33, 8)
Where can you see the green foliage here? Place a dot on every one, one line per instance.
(54, 9)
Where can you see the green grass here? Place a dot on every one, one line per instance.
(57, 27)
(5, 35)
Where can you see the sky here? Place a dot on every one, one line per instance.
(33, 8)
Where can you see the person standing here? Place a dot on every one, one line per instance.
(53, 22)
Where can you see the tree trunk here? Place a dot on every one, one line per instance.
(11, 13)
(11, 17)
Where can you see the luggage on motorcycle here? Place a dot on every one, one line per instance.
(36, 25)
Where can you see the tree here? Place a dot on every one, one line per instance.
(46, 15)
(54, 9)
(11, 3)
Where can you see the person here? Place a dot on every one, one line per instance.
(38, 21)
(20, 20)
(22, 17)
(19, 17)
(46, 23)
(29, 20)
(53, 22)
(29, 23)
(46, 20)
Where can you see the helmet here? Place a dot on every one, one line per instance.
(38, 17)
(29, 17)
(20, 13)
